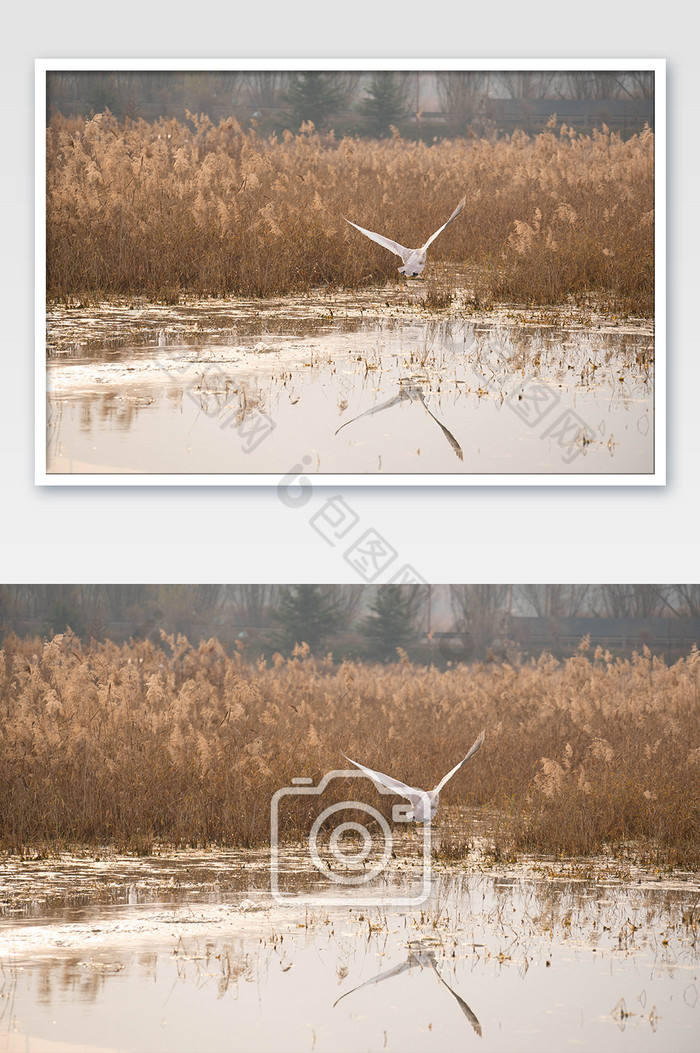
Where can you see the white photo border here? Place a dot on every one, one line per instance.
(657, 477)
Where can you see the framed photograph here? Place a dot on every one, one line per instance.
(367, 272)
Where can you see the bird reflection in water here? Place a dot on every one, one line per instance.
(413, 393)
(420, 956)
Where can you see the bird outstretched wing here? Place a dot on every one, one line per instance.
(454, 215)
(376, 409)
(466, 1009)
(445, 431)
(410, 792)
(477, 746)
(392, 246)
(396, 971)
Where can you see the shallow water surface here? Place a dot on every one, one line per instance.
(190, 951)
(346, 385)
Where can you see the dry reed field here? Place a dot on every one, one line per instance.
(136, 743)
(166, 209)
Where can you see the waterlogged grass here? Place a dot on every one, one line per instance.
(144, 388)
(170, 208)
(165, 953)
(138, 743)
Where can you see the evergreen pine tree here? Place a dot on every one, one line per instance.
(390, 625)
(385, 104)
(305, 614)
(312, 97)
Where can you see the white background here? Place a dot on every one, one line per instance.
(247, 534)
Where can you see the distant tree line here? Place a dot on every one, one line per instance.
(374, 104)
(362, 621)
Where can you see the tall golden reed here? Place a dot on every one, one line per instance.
(169, 208)
(135, 742)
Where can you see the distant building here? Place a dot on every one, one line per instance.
(670, 636)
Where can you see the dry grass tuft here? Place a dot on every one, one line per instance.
(168, 208)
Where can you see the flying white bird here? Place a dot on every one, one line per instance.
(413, 259)
(417, 797)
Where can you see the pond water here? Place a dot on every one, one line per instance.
(371, 383)
(189, 950)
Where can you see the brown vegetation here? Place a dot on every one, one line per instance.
(130, 743)
(168, 208)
